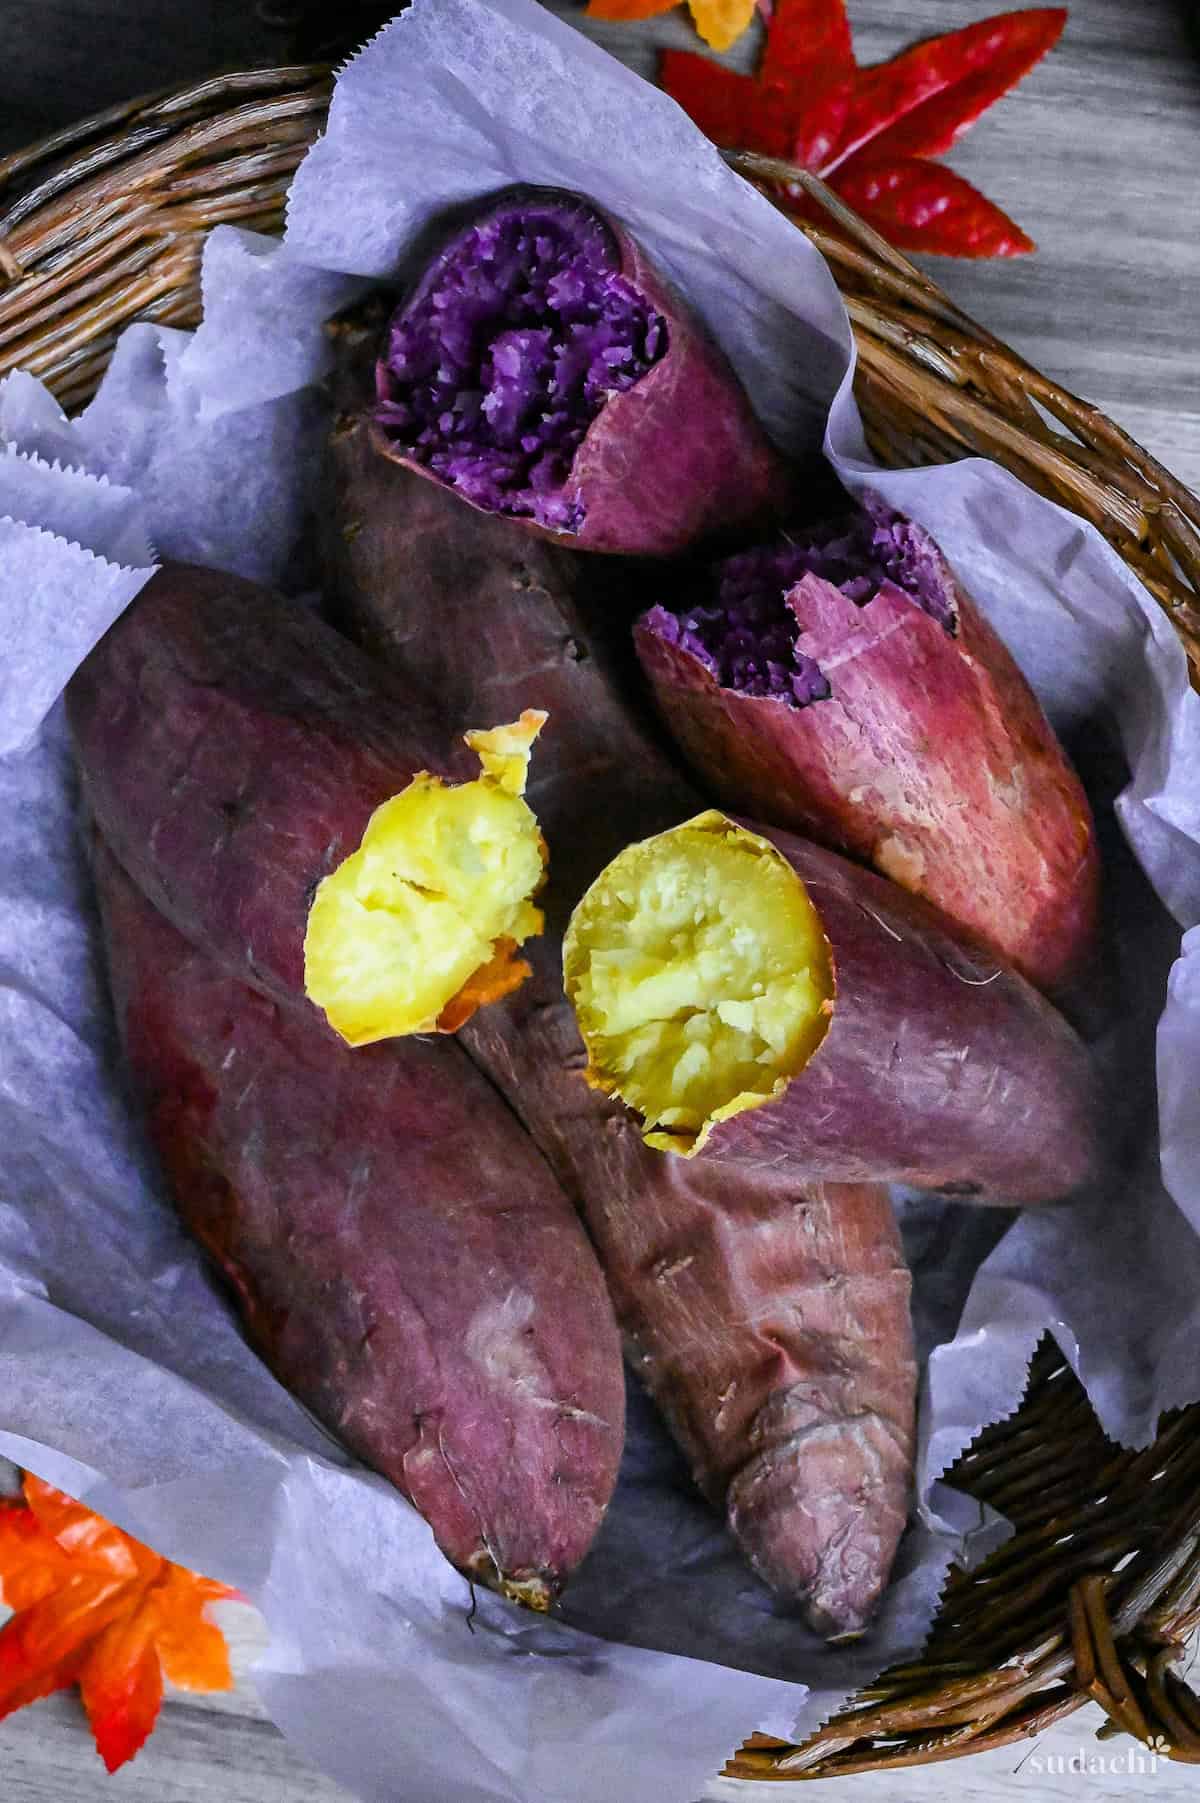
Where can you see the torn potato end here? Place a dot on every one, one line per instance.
(420, 926)
(504, 751)
(514, 340)
(700, 976)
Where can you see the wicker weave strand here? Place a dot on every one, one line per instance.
(1099, 1587)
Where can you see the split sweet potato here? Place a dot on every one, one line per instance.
(757, 998)
(307, 821)
(767, 1317)
(543, 369)
(842, 684)
(400, 1252)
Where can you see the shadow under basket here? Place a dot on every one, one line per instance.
(1097, 1590)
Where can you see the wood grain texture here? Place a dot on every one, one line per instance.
(1097, 155)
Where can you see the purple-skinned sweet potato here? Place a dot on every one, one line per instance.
(400, 1253)
(302, 816)
(767, 1317)
(842, 684)
(543, 369)
(759, 999)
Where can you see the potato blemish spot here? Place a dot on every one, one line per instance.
(420, 926)
(700, 977)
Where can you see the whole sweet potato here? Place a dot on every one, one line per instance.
(544, 370)
(269, 789)
(841, 683)
(834, 1024)
(767, 1317)
(401, 1254)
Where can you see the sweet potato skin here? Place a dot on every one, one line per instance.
(841, 1414)
(941, 1067)
(232, 748)
(1013, 1123)
(931, 760)
(401, 1254)
(767, 1315)
(675, 460)
(653, 488)
(740, 1293)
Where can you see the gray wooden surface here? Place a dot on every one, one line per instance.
(1098, 157)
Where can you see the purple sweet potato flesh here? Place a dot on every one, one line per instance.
(232, 748)
(941, 1067)
(746, 1298)
(844, 686)
(859, 555)
(543, 370)
(748, 639)
(504, 356)
(745, 650)
(401, 1255)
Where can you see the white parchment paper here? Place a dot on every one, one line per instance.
(122, 1373)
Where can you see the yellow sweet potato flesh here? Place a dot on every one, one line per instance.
(437, 896)
(700, 977)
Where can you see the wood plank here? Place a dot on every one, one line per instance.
(193, 1756)
(204, 1749)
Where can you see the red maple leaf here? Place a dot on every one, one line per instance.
(870, 132)
(93, 1607)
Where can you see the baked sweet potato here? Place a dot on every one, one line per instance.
(269, 789)
(768, 1318)
(756, 998)
(400, 1252)
(544, 369)
(842, 684)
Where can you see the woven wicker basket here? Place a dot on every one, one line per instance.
(1099, 1586)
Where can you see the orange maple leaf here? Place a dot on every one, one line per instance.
(93, 1607)
(719, 22)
